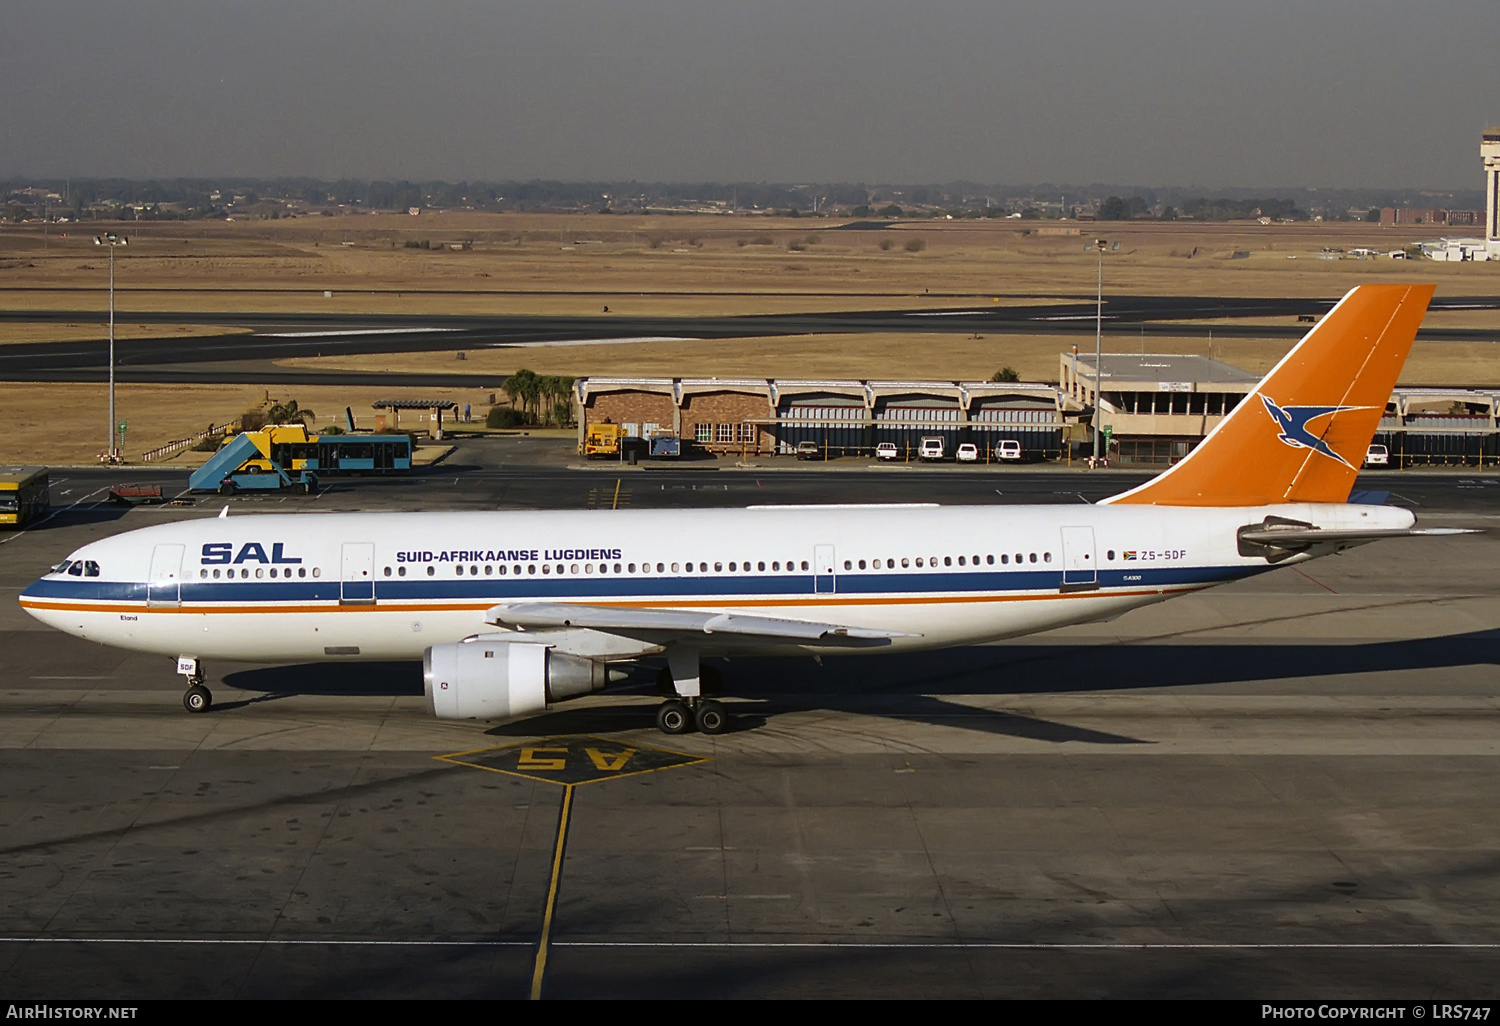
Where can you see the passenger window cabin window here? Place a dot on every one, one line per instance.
(861, 564)
(617, 568)
(905, 563)
(947, 560)
(473, 571)
(531, 568)
(718, 568)
(260, 572)
(961, 561)
(302, 571)
(761, 565)
(431, 571)
(731, 567)
(1004, 558)
(1046, 557)
(388, 571)
(674, 567)
(848, 565)
(489, 569)
(588, 568)
(317, 571)
(804, 564)
(990, 560)
(216, 575)
(400, 571)
(202, 573)
(1033, 557)
(703, 567)
(1110, 555)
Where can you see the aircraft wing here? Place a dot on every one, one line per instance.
(683, 624)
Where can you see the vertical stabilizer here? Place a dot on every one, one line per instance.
(1302, 433)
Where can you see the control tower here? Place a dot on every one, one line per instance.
(1489, 149)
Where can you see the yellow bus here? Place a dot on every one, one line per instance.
(23, 495)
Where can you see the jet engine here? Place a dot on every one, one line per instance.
(491, 680)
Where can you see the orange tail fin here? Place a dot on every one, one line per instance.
(1301, 434)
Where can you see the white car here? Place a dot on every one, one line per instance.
(1378, 456)
(887, 451)
(932, 449)
(1009, 449)
(968, 453)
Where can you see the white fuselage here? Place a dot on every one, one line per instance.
(387, 586)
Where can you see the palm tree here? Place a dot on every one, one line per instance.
(289, 413)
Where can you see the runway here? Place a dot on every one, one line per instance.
(201, 358)
(1281, 788)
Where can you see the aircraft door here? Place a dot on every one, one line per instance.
(825, 580)
(164, 586)
(357, 577)
(1080, 569)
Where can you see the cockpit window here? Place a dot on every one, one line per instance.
(62, 567)
(76, 569)
(90, 568)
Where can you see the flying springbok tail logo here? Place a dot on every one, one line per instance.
(1293, 421)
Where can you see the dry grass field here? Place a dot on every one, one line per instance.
(663, 266)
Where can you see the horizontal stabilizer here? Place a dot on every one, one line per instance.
(1280, 541)
(679, 622)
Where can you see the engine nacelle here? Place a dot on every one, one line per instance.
(481, 679)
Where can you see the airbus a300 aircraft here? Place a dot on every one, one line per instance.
(511, 611)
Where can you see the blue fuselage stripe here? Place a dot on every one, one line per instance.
(624, 587)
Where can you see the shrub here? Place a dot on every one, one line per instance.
(504, 417)
(886, 243)
(916, 245)
(1006, 373)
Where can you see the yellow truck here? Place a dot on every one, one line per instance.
(286, 444)
(603, 440)
(23, 495)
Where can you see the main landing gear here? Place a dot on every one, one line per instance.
(684, 678)
(197, 698)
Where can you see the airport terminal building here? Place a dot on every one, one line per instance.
(1154, 408)
(767, 416)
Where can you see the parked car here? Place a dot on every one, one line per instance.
(887, 451)
(968, 452)
(1008, 450)
(932, 449)
(1377, 456)
(809, 451)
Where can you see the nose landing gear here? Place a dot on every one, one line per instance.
(197, 698)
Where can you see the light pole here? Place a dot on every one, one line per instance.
(1099, 352)
(110, 239)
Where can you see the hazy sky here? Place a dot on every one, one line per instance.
(1155, 92)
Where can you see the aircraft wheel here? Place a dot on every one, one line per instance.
(711, 718)
(673, 717)
(197, 699)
